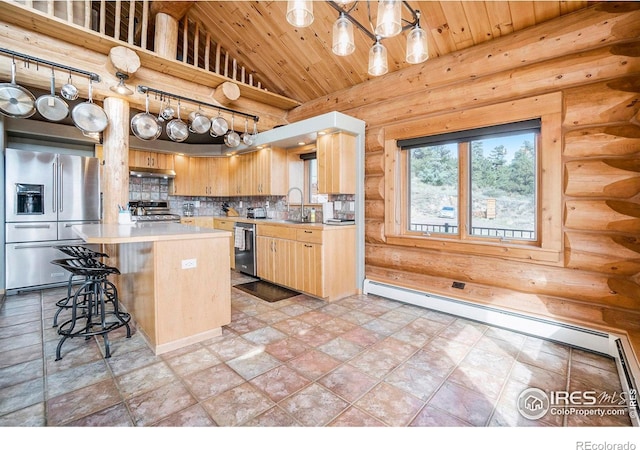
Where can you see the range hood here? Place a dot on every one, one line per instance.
(148, 172)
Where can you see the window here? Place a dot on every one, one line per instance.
(479, 183)
(464, 181)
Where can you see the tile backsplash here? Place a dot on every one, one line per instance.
(157, 189)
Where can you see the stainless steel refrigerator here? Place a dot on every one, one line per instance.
(45, 195)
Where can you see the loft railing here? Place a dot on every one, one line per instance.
(130, 22)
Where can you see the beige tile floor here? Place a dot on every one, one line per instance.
(361, 361)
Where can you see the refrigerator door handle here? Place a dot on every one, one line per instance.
(55, 187)
(21, 246)
(33, 226)
(61, 186)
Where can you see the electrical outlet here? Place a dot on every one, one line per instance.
(352, 206)
(189, 263)
(266, 204)
(337, 205)
(196, 203)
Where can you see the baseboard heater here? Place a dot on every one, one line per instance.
(584, 338)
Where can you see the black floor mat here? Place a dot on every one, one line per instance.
(266, 291)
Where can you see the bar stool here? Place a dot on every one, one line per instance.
(94, 305)
(80, 252)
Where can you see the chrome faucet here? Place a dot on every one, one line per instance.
(301, 202)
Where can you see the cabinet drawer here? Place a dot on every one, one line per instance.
(276, 231)
(188, 221)
(308, 235)
(223, 224)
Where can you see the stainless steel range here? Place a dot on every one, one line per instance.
(148, 211)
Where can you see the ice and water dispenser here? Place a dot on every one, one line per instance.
(30, 198)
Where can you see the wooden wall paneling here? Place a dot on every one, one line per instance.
(439, 35)
(613, 178)
(609, 215)
(604, 141)
(544, 11)
(544, 306)
(514, 275)
(609, 101)
(534, 79)
(374, 232)
(500, 18)
(374, 164)
(587, 29)
(461, 34)
(374, 187)
(523, 14)
(605, 253)
(374, 209)
(478, 21)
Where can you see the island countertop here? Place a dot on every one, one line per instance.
(144, 232)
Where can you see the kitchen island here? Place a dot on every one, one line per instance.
(174, 279)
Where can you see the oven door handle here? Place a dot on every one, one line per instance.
(248, 239)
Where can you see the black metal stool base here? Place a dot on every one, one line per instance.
(94, 305)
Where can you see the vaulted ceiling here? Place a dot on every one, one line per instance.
(298, 62)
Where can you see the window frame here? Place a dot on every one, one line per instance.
(549, 246)
(464, 158)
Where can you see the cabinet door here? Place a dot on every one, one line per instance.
(219, 177)
(181, 181)
(198, 176)
(270, 169)
(284, 261)
(265, 257)
(309, 273)
(336, 164)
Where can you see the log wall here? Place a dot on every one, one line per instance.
(591, 57)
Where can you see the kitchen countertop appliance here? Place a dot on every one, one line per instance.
(152, 211)
(256, 213)
(45, 195)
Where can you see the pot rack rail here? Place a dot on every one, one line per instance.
(28, 59)
(164, 94)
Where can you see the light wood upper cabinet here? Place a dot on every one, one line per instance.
(181, 185)
(209, 176)
(263, 172)
(201, 176)
(271, 171)
(336, 155)
(150, 160)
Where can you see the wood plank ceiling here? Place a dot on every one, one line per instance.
(298, 62)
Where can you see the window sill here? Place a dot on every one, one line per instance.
(490, 249)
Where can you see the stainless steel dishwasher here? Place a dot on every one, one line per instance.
(245, 247)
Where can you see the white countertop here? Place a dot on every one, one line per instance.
(144, 232)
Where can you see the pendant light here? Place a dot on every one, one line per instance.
(300, 13)
(121, 88)
(389, 18)
(417, 45)
(378, 59)
(343, 43)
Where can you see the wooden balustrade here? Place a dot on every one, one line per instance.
(129, 21)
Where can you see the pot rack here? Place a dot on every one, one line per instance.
(169, 95)
(28, 58)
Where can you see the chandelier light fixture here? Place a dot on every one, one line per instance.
(389, 23)
(300, 13)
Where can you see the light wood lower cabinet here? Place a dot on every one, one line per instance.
(317, 261)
